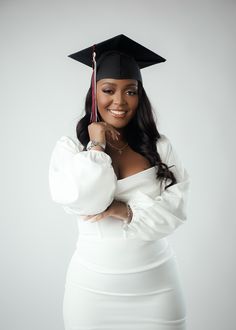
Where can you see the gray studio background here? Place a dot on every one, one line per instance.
(42, 98)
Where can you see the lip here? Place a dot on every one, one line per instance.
(122, 115)
(118, 110)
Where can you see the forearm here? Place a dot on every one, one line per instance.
(117, 209)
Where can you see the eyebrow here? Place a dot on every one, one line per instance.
(110, 83)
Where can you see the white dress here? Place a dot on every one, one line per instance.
(120, 276)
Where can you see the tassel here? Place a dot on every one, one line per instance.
(93, 116)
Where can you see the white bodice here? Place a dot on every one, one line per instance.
(84, 183)
(144, 181)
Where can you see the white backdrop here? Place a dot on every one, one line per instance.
(43, 93)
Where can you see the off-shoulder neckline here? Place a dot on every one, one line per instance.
(132, 176)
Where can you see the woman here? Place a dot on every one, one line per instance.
(128, 188)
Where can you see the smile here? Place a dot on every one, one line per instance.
(117, 114)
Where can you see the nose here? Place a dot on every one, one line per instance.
(119, 98)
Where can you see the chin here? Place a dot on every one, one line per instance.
(116, 122)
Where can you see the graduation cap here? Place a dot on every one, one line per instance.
(119, 58)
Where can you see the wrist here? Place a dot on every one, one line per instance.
(99, 148)
(94, 143)
(129, 214)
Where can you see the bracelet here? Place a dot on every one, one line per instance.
(127, 221)
(129, 212)
(93, 143)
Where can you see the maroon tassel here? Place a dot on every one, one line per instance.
(93, 116)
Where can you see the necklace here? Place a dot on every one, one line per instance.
(120, 150)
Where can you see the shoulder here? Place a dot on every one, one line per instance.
(67, 143)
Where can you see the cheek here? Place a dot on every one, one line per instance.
(103, 101)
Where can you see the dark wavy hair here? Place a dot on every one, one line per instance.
(140, 133)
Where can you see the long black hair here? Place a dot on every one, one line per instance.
(140, 133)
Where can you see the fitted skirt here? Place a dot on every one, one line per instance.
(149, 298)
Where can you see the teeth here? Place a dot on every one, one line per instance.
(117, 112)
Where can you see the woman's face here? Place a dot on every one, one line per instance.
(117, 100)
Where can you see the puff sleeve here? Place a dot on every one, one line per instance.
(159, 216)
(82, 182)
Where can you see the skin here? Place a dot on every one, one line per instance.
(116, 94)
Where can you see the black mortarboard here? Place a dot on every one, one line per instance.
(119, 58)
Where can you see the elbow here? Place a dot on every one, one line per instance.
(79, 199)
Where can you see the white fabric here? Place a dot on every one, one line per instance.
(157, 216)
(120, 277)
(85, 184)
(75, 177)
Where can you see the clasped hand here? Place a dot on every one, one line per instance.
(116, 209)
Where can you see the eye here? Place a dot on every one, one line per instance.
(107, 91)
(132, 93)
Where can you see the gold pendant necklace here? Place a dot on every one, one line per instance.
(120, 150)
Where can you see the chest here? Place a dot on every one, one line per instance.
(128, 163)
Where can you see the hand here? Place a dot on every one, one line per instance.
(116, 209)
(98, 130)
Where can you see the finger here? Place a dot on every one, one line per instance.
(94, 219)
(115, 131)
(113, 135)
(99, 217)
(110, 128)
(116, 135)
(86, 217)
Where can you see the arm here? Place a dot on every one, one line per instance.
(159, 216)
(83, 182)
